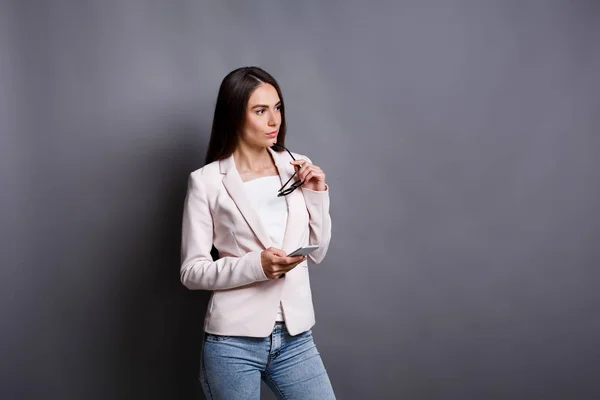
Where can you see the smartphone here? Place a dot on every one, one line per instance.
(302, 251)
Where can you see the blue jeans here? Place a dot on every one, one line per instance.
(232, 367)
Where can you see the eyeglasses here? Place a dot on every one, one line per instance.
(285, 191)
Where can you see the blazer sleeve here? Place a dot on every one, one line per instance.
(198, 270)
(317, 204)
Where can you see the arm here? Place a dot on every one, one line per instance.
(198, 270)
(317, 204)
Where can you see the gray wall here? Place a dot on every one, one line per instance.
(460, 140)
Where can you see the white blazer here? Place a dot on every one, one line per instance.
(244, 302)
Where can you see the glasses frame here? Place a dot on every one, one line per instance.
(285, 191)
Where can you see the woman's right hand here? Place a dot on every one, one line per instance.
(275, 263)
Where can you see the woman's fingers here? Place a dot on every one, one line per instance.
(299, 165)
(308, 171)
(286, 261)
(299, 162)
(293, 260)
(308, 176)
(277, 252)
(279, 263)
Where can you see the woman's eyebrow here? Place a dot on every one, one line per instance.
(264, 105)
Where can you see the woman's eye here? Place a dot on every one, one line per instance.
(261, 111)
(278, 108)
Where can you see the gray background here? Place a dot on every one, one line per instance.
(460, 141)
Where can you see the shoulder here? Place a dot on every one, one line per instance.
(207, 174)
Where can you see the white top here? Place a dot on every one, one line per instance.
(272, 211)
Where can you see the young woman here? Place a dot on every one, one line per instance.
(256, 202)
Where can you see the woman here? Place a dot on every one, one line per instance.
(255, 202)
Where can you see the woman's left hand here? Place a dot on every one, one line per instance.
(312, 175)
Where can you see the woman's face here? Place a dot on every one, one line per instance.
(263, 117)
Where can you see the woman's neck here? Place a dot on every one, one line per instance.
(252, 159)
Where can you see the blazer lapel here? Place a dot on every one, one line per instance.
(235, 187)
(294, 200)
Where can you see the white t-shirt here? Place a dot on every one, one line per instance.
(272, 211)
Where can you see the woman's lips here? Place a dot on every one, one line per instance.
(272, 134)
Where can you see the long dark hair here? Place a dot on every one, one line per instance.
(230, 111)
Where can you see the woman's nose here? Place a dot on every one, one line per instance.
(272, 119)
